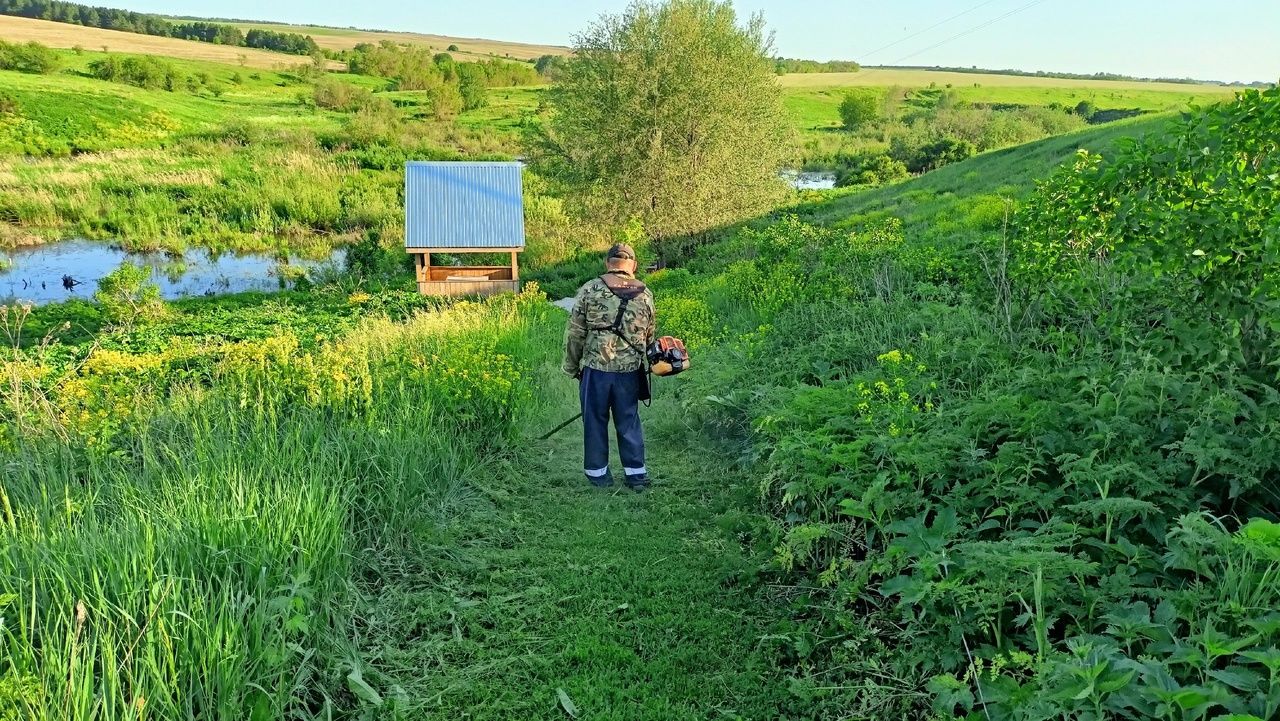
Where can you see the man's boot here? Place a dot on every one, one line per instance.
(638, 483)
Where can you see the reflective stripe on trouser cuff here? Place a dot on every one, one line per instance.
(635, 471)
(596, 473)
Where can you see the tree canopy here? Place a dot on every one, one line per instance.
(859, 107)
(670, 112)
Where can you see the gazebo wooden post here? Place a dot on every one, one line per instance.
(464, 208)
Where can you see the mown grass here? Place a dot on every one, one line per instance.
(318, 505)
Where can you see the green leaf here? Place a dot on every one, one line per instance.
(1269, 658)
(362, 690)
(566, 703)
(1117, 682)
(1238, 678)
(949, 692)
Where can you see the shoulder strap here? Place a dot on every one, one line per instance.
(624, 298)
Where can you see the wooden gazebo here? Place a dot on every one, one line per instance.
(457, 208)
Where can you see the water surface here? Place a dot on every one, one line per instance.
(36, 273)
(808, 180)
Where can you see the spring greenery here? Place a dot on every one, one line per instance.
(994, 442)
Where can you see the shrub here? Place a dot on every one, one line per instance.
(29, 57)
(869, 169)
(8, 104)
(860, 107)
(1193, 208)
(347, 98)
(445, 101)
(930, 155)
(144, 72)
(128, 297)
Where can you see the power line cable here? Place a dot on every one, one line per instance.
(971, 30)
(938, 24)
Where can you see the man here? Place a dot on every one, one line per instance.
(611, 324)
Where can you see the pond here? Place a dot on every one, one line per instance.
(36, 273)
(808, 180)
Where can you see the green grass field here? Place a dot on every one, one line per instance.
(816, 107)
(332, 504)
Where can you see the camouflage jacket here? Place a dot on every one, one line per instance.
(588, 340)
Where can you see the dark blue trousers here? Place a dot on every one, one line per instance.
(603, 393)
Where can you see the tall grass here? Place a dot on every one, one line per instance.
(205, 563)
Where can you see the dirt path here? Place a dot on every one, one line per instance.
(628, 603)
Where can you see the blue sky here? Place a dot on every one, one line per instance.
(1213, 39)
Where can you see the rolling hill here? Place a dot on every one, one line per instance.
(346, 38)
(62, 35)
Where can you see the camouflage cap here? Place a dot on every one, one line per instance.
(621, 250)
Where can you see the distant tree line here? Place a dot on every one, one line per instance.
(147, 24)
(790, 65)
(1063, 76)
(415, 67)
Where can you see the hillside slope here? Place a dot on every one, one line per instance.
(347, 38)
(1018, 449)
(1009, 172)
(63, 35)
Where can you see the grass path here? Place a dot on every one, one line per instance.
(629, 603)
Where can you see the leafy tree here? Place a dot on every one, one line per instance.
(453, 48)
(789, 65)
(551, 67)
(472, 85)
(145, 72)
(144, 24)
(860, 107)
(921, 157)
(1085, 109)
(669, 112)
(445, 100)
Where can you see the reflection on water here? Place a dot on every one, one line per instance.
(805, 180)
(37, 273)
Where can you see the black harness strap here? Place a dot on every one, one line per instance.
(616, 329)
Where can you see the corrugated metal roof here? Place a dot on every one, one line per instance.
(463, 205)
